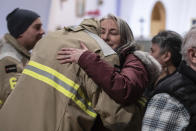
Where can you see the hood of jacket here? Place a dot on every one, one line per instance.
(12, 41)
(152, 66)
(91, 25)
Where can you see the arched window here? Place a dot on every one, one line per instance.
(158, 19)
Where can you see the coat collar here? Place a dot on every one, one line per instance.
(187, 71)
(12, 41)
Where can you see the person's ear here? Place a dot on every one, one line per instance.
(192, 55)
(166, 56)
(20, 36)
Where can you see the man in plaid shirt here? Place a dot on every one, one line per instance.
(172, 105)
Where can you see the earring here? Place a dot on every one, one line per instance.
(166, 70)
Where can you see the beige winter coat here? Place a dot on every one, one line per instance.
(13, 57)
(54, 97)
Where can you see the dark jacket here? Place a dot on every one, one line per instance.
(182, 86)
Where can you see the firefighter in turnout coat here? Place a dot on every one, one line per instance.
(54, 97)
(12, 60)
(25, 29)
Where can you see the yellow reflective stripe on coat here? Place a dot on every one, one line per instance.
(142, 101)
(61, 83)
(1, 102)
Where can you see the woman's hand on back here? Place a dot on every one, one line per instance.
(69, 55)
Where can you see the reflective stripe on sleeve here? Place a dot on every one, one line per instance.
(1, 102)
(142, 101)
(61, 83)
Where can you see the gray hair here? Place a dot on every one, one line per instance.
(170, 41)
(126, 35)
(189, 42)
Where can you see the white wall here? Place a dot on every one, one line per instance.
(175, 13)
(179, 14)
(138, 9)
(109, 6)
(64, 14)
(127, 10)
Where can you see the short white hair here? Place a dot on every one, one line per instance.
(189, 42)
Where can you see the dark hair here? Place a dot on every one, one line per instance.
(169, 41)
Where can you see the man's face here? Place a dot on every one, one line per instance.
(156, 53)
(33, 33)
(110, 33)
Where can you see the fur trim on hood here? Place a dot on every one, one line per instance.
(152, 66)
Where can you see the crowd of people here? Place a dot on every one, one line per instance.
(92, 77)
